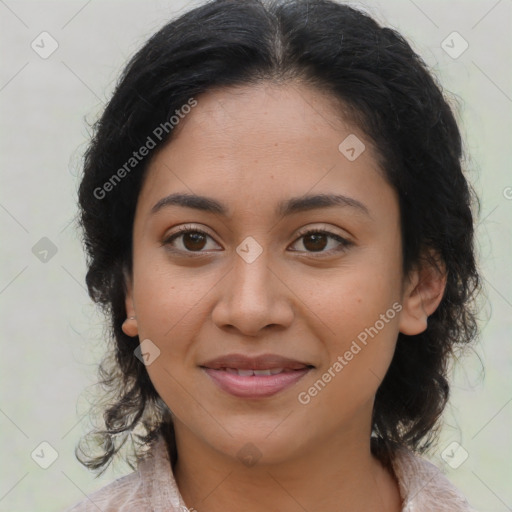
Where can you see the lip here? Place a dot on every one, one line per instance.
(255, 386)
(261, 362)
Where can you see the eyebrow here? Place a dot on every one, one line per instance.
(284, 208)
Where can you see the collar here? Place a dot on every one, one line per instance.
(422, 486)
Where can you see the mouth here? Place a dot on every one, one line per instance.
(251, 371)
(255, 377)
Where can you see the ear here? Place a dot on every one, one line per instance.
(130, 324)
(423, 291)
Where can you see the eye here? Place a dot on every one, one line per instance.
(192, 239)
(316, 240)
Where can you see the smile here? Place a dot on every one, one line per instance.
(249, 372)
(252, 384)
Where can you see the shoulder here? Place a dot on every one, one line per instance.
(152, 488)
(424, 488)
(124, 494)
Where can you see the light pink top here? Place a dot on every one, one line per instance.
(152, 488)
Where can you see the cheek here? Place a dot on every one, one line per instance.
(168, 298)
(357, 354)
(358, 309)
(351, 298)
(170, 313)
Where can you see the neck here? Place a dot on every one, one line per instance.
(339, 474)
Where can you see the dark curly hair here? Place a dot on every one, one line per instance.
(386, 89)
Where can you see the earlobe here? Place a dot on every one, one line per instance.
(129, 326)
(423, 293)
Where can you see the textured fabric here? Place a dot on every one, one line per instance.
(152, 488)
(424, 488)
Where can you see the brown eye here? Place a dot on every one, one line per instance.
(316, 240)
(194, 241)
(188, 240)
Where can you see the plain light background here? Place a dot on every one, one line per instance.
(52, 335)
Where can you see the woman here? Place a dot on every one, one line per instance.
(280, 232)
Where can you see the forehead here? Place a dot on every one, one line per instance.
(263, 115)
(261, 143)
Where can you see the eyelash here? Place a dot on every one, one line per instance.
(344, 243)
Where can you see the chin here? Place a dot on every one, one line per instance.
(253, 446)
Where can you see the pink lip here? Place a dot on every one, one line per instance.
(261, 362)
(255, 386)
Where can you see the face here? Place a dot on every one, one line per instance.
(291, 266)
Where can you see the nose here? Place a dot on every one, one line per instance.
(253, 299)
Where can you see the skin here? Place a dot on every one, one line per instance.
(249, 148)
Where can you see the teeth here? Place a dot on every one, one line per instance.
(261, 372)
(250, 372)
